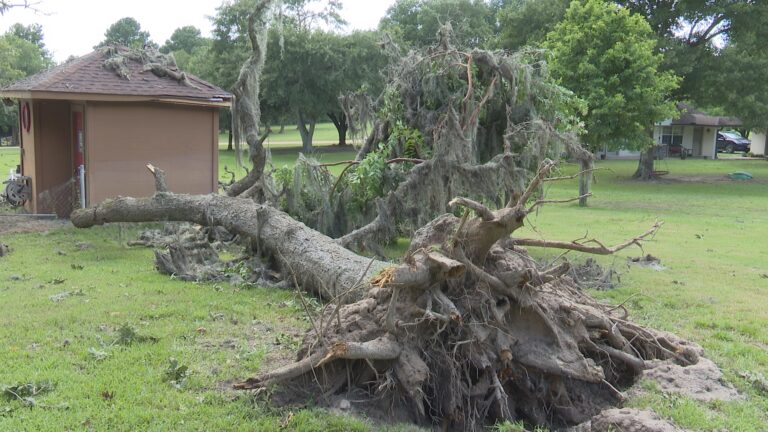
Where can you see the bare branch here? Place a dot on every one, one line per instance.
(544, 169)
(160, 183)
(484, 212)
(563, 201)
(600, 249)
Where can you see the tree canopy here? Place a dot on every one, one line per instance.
(605, 55)
(187, 38)
(415, 23)
(126, 31)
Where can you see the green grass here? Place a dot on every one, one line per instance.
(9, 158)
(712, 290)
(325, 134)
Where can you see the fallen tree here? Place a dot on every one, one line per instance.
(468, 330)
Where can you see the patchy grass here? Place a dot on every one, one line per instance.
(713, 290)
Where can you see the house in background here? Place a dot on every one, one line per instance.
(758, 143)
(84, 116)
(693, 130)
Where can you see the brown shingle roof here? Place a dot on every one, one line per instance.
(87, 75)
(691, 116)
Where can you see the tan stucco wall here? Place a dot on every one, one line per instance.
(121, 138)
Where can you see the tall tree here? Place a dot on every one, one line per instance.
(19, 58)
(415, 23)
(187, 38)
(605, 55)
(126, 31)
(527, 22)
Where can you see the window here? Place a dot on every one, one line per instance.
(672, 135)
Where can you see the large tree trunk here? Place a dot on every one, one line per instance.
(229, 140)
(306, 132)
(247, 111)
(467, 331)
(645, 167)
(319, 263)
(339, 120)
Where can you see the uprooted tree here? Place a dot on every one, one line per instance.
(467, 329)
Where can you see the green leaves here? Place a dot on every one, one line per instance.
(175, 374)
(605, 55)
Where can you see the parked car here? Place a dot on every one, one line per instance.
(731, 142)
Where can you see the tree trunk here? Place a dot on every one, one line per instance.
(585, 179)
(306, 133)
(15, 138)
(339, 120)
(645, 165)
(229, 140)
(247, 111)
(319, 264)
(282, 126)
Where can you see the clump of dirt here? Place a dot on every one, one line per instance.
(702, 381)
(590, 274)
(626, 420)
(4, 250)
(648, 261)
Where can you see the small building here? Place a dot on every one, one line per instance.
(694, 131)
(758, 139)
(107, 114)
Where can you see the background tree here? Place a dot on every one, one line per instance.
(126, 31)
(527, 22)
(187, 39)
(605, 55)
(414, 23)
(20, 57)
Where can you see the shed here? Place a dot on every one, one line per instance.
(107, 114)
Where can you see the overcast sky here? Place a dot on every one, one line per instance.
(73, 27)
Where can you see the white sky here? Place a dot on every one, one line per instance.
(73, 27)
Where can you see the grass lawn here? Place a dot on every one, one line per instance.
(325, 134)
(713, 290)
(9, 158)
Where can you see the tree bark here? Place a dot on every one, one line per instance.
(645, 166)
(307, 133)
(229, 140)
(585, 180)
(247, 111)
(317, 262)
(339, 120)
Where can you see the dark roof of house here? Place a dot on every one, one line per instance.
(88, 75)
(692, 116)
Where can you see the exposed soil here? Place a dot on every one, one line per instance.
(13, 224)
(702, 381)
(626, 420)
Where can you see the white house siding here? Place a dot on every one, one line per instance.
(708, 142)
(688, 137)
(758, 143)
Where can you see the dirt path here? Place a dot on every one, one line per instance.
(14, 224)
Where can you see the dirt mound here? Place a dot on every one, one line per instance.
(12, 224)
(626, 420)
(702, 381)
